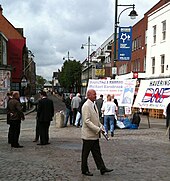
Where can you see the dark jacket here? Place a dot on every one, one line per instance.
(14, 110)
(99, 103)
(68, 103)
(116, 102)
(81, 104)
(45, 111)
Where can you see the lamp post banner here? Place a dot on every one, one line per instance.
(153, 94)
(125, 44)
(123, 90)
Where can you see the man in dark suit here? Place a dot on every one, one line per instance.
(99, 103)
(45, 113)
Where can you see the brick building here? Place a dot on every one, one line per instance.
(14, 59)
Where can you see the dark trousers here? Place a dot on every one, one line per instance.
(9, 135)
(44, 132)
(37, 130)
(94, 147)
(69, 114)
(167, 121)
(15, 126)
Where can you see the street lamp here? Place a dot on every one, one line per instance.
(68, 56)
(132, 15)
(88, 44)
(24, 84)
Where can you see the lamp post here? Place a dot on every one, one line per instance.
(24, 83)
(88, 44)
(132, 15)
(68, 56)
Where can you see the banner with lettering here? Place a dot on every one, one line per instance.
(153, 93)
(123, 90)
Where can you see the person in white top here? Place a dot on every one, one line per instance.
(109, 109)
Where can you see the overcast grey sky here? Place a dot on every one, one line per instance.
(54, 27)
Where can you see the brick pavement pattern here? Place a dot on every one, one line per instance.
(135, 155)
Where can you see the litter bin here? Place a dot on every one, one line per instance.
(59, 119)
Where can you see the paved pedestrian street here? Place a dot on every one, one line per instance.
(135, 155)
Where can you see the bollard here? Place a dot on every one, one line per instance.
(59, 119)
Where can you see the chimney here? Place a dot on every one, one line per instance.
(1, 9)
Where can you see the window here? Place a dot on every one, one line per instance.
(144, 64)
(136, 65)
(146, 36)
(153, 65)
(162, 63)
(163, 30)
(154, 34)
(140, 44)
(133, 45)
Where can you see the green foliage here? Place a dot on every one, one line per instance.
(40, 81)
(70, 75)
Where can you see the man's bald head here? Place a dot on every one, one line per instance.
(91, 94)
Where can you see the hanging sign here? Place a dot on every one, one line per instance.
(125, 44)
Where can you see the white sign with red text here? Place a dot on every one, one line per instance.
(123, 90)
(153, 94)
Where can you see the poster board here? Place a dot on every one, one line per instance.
(123, 90)
(153, 94)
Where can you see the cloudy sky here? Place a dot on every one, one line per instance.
(54, 27)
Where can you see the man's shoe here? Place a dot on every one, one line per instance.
(35, 140)
(112, 134)
(87, 173)
(41, 144)
(103, 171)
(18, 146)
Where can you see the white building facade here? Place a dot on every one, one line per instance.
(158, 37)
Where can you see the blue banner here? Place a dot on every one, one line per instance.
(125, 44)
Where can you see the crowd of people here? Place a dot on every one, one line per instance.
(108, 111)
(94, 116)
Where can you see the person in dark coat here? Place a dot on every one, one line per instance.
(167, 115)
(37, 129)
(99, 103)
(69, 112)
(116, 102)
(45, 115)
(15, 115)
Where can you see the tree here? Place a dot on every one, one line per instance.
(40, 81)
(70, 76)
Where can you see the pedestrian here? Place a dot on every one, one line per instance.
(99, 103)
(78, 121)
(69, 112)
(74, 105)
(91, 130)
(116, 102)
(109, 109)
(37, 128)
(45, 115)
(168, 115)
(9, 96)
(15, 115)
